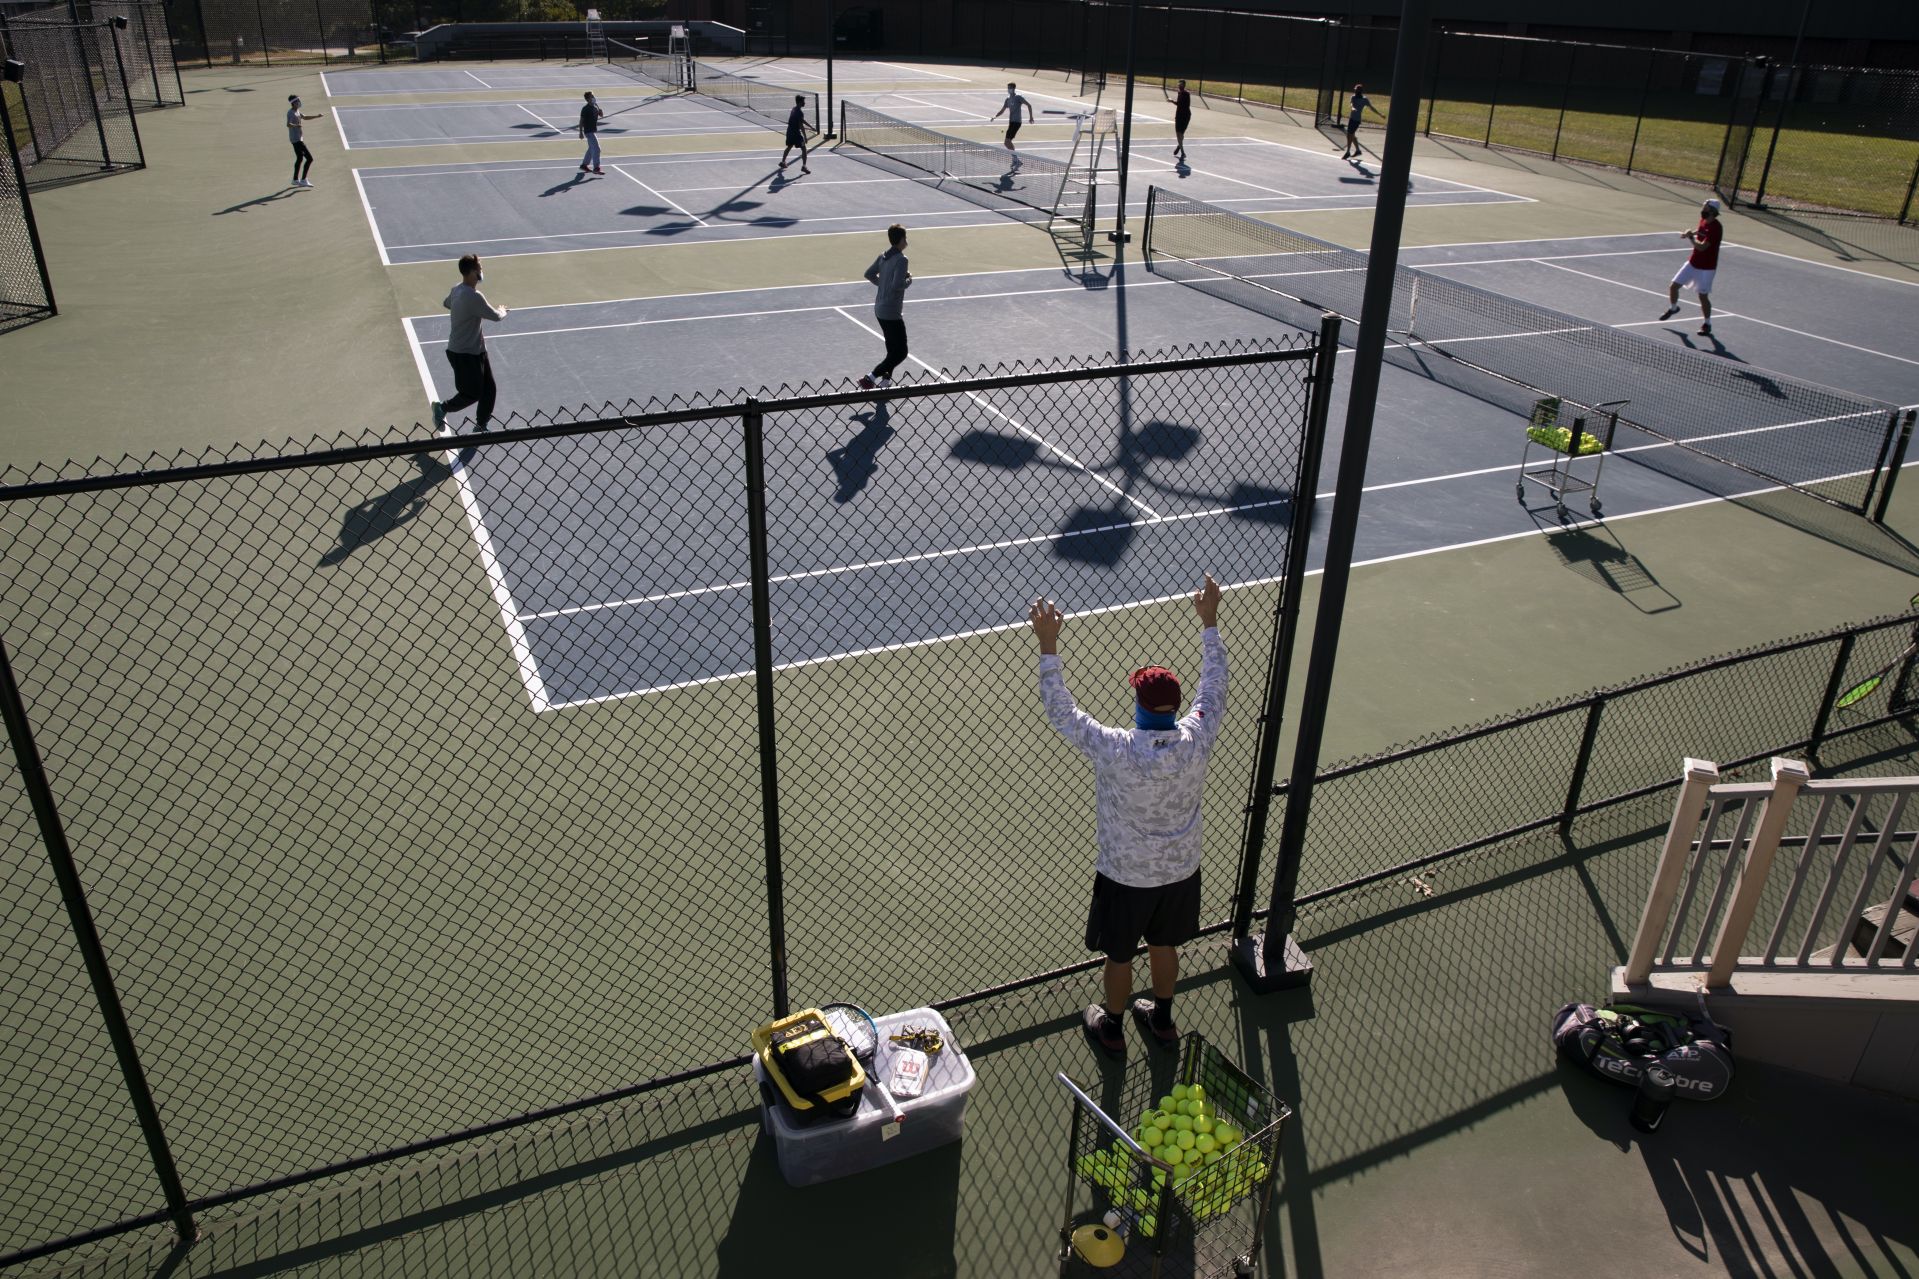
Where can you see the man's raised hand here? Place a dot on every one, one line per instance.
(1206, 602)
(1046, 619)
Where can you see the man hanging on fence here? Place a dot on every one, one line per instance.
(1148, 783)
(296, 134)
(1700, 266)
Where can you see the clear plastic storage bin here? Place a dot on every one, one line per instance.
(831, 1148)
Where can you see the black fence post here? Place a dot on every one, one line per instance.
(1823, 717)
(1645, 98)
(1912, 185)
(120, 64)
(1565, 96)
(753, 420)
(1274, 961)
(1299, 535)
(206, 37)
(33, 777)
(1893, 467)
(319, 19)
(1581, 762)
(1432, 79)
(93, 94)
(1492, 97)
(260, 21)
(1778, 124)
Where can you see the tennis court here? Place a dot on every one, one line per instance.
(1442, 477)
(422, 213)
(630, 113)
(453, 886)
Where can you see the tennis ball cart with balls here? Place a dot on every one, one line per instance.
(1559, 428)
(1176, 1183)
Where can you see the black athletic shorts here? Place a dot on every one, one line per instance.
(1121, 914)
(1012, 130)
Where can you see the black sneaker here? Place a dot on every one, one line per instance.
(1705, 330)
(1669, 312)
(1143, 1013)
(1103, 1029)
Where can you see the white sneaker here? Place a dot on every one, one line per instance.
(303, 182)
(883, 383)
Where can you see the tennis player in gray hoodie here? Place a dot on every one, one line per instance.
(466, 348)
(890, 275)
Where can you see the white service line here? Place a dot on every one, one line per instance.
(340, 125)
(669, 199)
(1019, 426)
(935, 106)
(744, 230)
(373, 224)
(1735, 315)
(521, 650)
(919, 71)
(537, 116)
(483, 84)
(325, 86)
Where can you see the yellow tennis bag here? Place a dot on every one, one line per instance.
(812, 1072)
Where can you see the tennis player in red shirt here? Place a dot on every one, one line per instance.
(1700, 267)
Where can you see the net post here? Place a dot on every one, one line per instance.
(1146, 235)
(752, 420)
(33, 777)
(1892, 468)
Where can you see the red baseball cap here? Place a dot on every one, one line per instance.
(1155, 686)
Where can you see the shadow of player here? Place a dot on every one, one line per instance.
(366, 522)
(857, 461)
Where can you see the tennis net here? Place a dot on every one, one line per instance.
(1034, 182)
(659, 70)
(1509, 352)
(772, 103)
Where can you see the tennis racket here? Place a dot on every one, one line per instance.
(861, 1035)
(1866, 687)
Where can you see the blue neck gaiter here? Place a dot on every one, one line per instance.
(1144, 718)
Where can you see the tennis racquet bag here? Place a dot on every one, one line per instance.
(1662, 1055)
(813, 1075)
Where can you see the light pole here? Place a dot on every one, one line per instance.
(1119, 233)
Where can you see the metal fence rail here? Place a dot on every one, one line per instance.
(414, 793)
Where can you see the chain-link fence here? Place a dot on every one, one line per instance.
(1254, 59)
(75, 109)
(277, 31)
(153, 77)
(1542, 767)
(26, 291)
(413, 791)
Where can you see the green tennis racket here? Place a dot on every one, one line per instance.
(1866, 687)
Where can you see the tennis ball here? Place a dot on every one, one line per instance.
(1225, 1134)
(1195, 1108)
(1184, 1123)
(1184, 1140)
(1205, 1143)
(1197, 1092)
(1202, 1124)
(1181, 1092)
(1170, 1103)
(1214, 1156)
(1172, 1154)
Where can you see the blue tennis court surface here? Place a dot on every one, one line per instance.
(483, 76)
(633, 112)
(648, 589)
(421, 213)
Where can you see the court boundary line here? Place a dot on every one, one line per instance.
(517, 643)
(907, 645)
(340, 127)
(373, 225)
(1722, 314)
(1018, 425)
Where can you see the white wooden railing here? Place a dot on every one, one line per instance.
(1843, 899)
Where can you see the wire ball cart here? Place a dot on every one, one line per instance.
(1567, 448)
(1181, 1191)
